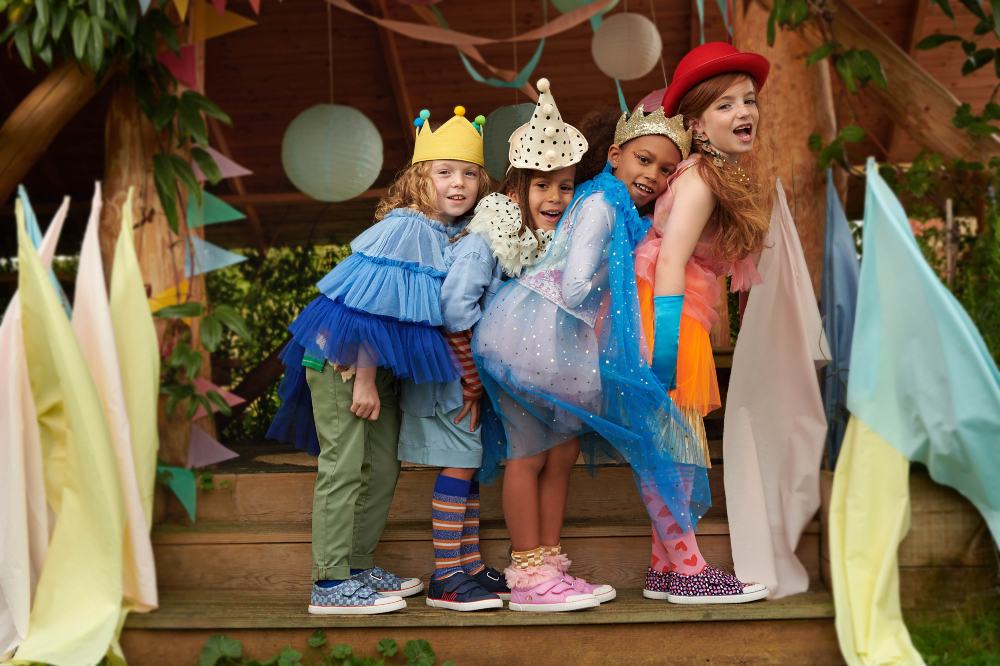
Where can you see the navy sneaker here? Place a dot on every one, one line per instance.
(493, 581)
(460, 592)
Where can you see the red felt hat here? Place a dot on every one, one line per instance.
(711, 59)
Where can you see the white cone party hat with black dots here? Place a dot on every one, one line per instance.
(546, 143)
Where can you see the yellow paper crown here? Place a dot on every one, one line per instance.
(457, 139)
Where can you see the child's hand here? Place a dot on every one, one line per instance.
(470, 407)
(365, 404)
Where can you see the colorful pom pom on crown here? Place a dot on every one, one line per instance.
(457, 139)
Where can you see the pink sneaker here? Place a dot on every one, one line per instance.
(562, 563)
(542, 590)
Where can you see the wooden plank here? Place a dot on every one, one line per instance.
(390, 52)
(918, 11)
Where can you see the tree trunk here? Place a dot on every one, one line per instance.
(796, 102)
(30, 129)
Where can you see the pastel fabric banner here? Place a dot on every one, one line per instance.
(921, 375)
(24, 513)
(838, 302)
(774, 426)
(227, 167)
(206, 23)
(97, 339)
(138, 357)
(213, 210)
(181, 482)
(204, 450)
(77, 601)
(183, 66)
(207, 257)
(35, 233)
(869, 517)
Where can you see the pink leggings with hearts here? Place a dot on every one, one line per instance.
(676, 550)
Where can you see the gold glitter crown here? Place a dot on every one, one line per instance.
(644, 124)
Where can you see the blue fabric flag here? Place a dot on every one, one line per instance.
(838, 301)
(921, 376)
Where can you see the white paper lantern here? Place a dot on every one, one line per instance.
(332, 152)
(500, 124)
(626, 46)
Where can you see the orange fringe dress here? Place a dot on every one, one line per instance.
(697, 391)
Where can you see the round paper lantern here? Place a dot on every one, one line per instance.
(566, 6)
(332, 152)
(626, 46)
(496, 136)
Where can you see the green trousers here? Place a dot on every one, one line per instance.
(358, 469)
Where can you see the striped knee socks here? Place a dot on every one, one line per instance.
(472, 562)
(448, 509)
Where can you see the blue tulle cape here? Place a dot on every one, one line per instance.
(378, 307)
(633, 418)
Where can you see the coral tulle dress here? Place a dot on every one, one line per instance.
(697, 391)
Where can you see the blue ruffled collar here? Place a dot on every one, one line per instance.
(415, 214)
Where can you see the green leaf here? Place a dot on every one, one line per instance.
(341, 651)
(189, 309)
(193, 405)
(59, 14)
(219, 401)
(166, 109)
(968, 47)
(973, 6)
(977, 60)
(210, 108)
(80, 30)
(100, 7)
(289, 657)
(22, 40)
(318, 638)
(42, 12)
(419, 653)
(945, 7)
(183, 171)
(166, 184)
(120, 10)
(983, 27)
(815, 142)
(192, 363)
(96, 55)
(46, 54)
(387, 647)
(232, 319)
(933, 41)
(217, 648)
(874, 67)
(846, 74)
(820, 53)
(771, 28)
(852, 134)
(211, 333)
(207, 164)
(40, 29)
(192, 121)
(996, 63)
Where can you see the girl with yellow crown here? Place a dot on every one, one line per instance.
(558, 350)
(374, 323)
(709, 223)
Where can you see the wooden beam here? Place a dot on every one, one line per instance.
(918, 13)
(274, 198)
(32, 126)
(390, 53)
(914, 99)
(236, 184)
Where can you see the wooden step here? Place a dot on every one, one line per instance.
(286, 496)
(628, 630)
(276, 556)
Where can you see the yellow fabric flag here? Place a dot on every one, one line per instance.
(78, 598)
(869, 517)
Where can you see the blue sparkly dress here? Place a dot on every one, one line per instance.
(559, 352)
(381, 306)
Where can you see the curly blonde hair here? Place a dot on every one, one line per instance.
(743, 212)
(413, 188)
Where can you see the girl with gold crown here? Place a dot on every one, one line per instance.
(502, 239)
(708, 224)
(558, 350)
(374, 323)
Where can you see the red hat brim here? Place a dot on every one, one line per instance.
(753, 64)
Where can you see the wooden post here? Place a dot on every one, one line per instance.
(795, 103)
(30, 129)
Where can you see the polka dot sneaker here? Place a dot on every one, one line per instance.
(712, 586)
(352, 598)
(386, 582)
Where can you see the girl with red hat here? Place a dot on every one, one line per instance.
(710, 223)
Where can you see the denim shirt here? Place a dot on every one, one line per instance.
(474, 276)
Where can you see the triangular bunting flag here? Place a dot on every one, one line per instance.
(144, 4)
(213, 210)
(179, 293)
(183, 66)
(229, 169)
(182, 8)
(206, 23)
(205, 450)
(204, 386)
(255, 4)
(181, 481)
(220, 6)
(208, 257)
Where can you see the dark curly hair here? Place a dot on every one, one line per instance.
(598, 127)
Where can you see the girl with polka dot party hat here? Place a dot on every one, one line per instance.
(375, 322)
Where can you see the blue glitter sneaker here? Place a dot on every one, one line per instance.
(352, 598)
(461, 592)
(493, 581)
(386, 582)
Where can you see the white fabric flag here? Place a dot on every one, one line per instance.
(93, 330)
(775, 426)
(24, 515)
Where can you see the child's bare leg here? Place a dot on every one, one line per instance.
(520, 500)
(553, 487)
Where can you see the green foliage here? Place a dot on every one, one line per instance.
(223, 651)
(836, 150)
(268, 291)
(967, 636)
